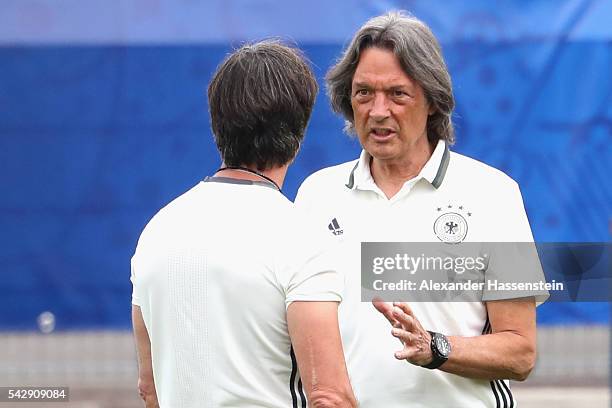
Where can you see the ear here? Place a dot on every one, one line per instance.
(431, 110)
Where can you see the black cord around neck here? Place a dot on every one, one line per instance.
(252, 172)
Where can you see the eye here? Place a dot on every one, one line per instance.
(399, 93)
(362, 92)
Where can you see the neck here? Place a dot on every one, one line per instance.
(276, 174)
(390, 175)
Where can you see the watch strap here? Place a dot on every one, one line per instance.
(438, 358)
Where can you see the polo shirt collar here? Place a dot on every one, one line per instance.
(433, 171)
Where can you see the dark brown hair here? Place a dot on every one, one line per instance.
(260, 100)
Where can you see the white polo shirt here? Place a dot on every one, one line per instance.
(213, 273)
(345, 201)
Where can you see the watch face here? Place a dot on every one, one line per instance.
(442, 345)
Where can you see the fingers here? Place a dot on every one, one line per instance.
(411, 355)
(404, 336)
(404, 307)
(386, 309)
(412, 344)
(408, 330)
(404, 354)
(416, 347)
(393, 313)
(407, 321)
(408, 338)
(405, 310)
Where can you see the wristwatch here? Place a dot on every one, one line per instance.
(440, 350)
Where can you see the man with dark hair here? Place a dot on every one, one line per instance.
(260, 103)
(392, 87)
(231, 290)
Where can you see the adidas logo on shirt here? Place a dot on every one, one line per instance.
(334, 227)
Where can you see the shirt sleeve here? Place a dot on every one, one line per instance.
(135, 287)
(305, 196)
(514, 269)
(308, 269)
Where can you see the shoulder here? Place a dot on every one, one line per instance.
(466, 171)
(172, 215)
(328, 178)
(491, 193)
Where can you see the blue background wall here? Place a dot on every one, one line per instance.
(103, 120)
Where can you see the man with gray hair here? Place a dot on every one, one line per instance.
(231, 291)
(393, 88)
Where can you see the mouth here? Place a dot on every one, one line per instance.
(380, 134)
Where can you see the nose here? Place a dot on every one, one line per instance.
(380, 107)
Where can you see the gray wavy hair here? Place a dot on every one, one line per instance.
(421, 58)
